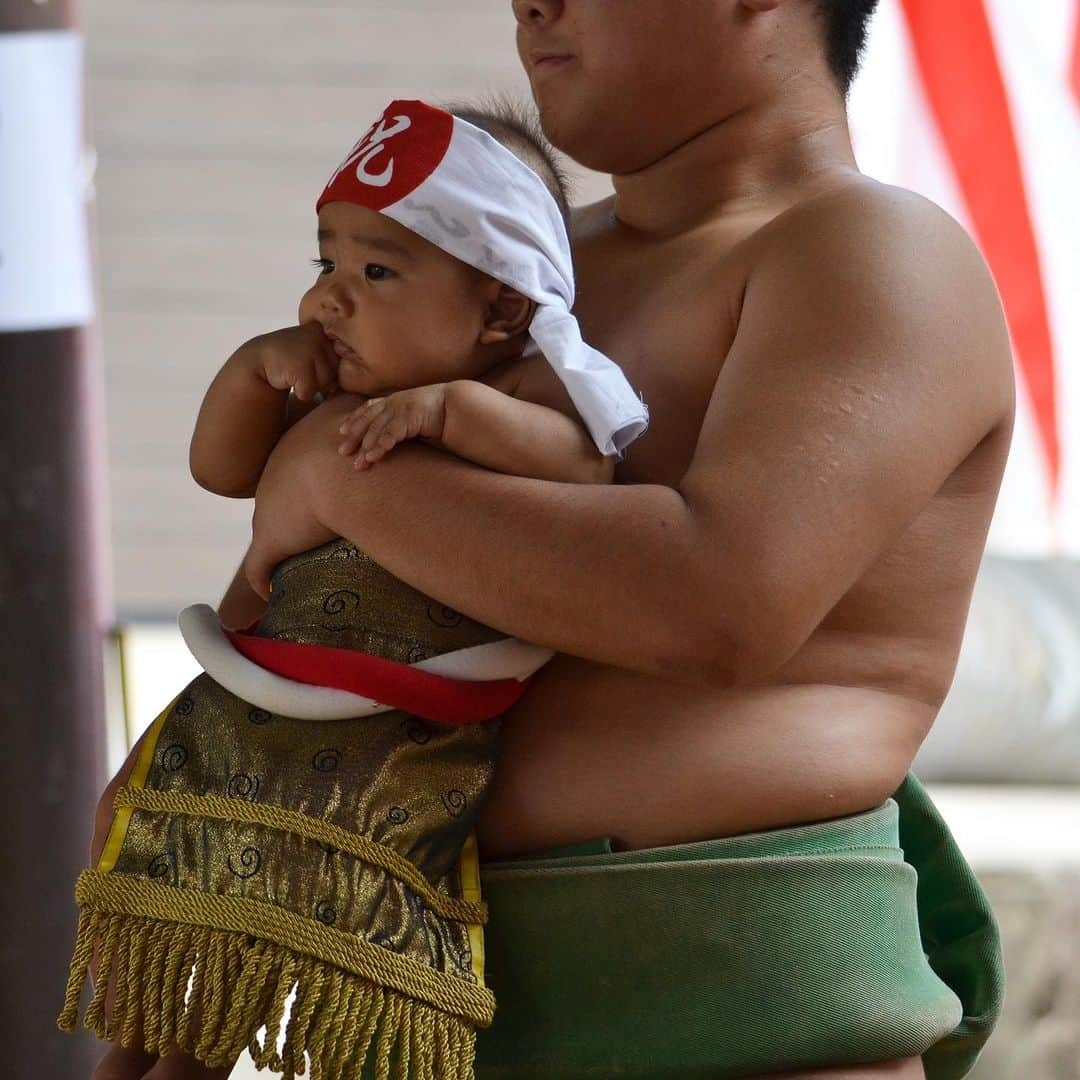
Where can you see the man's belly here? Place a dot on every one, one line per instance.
(592, 751)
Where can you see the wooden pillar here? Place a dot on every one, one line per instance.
(51, 595)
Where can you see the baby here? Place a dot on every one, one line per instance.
(266, 845)
(435, 345)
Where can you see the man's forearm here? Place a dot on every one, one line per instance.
(617, 574)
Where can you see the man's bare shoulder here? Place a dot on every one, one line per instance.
(878, 218)
(896, 231)
(884, 247)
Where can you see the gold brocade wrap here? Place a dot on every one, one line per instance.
(255, 858)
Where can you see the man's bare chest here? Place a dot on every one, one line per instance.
(669, 325)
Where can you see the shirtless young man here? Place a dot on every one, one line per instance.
(762, 616)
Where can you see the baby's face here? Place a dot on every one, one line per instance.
(400, 311)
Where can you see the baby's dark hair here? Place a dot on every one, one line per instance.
(518, 129)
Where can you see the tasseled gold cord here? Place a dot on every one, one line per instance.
(240, 984)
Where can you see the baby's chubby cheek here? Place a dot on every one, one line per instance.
(353, 378)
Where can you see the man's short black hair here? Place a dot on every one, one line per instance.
(846, 24)
(518, 129)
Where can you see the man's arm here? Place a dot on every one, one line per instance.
(871, 358)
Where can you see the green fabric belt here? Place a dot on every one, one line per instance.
(789, 949)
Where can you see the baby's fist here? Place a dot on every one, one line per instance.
(377, 426)
(297, 358)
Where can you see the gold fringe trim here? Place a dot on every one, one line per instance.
(117, 894)
(208, 992)
(222, 808)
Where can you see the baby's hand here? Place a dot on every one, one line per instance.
(375, 428)
(298, 358)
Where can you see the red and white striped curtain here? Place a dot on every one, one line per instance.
(976, 104)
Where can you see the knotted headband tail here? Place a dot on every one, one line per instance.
(453, 184)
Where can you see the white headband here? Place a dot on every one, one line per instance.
(456, 186)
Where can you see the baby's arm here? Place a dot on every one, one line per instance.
(248, 405)
(518, 420)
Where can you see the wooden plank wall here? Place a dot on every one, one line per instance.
(216, 123)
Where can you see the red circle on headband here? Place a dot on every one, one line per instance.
(398, 153)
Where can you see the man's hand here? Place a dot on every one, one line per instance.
(284, 522)
(279, 528)
(377, 426)
(297, 358)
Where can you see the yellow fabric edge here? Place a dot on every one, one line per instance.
(469, 871)
(125, 692)
(118, 831)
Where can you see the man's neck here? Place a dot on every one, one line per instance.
(758, 161)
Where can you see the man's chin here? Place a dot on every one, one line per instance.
(572, 128)
(562, 129)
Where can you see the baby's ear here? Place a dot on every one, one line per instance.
(508, 315)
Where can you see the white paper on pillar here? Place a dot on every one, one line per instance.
(898, 140)
(45, 279)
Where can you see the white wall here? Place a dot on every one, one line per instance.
(216, 126)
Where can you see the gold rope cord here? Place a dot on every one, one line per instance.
(274, 817)
(113, 895)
